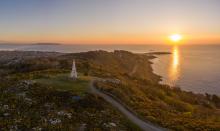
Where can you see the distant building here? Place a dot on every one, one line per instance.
(73, 72)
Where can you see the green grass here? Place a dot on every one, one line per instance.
(64, 82)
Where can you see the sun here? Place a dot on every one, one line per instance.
(175, 37)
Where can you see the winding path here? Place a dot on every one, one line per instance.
(142, 124)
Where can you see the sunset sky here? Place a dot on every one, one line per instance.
(109, 21)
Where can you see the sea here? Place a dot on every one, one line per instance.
(193, 68)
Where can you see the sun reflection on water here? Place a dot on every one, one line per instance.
(174, 67)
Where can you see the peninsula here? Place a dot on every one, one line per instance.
(37, 93)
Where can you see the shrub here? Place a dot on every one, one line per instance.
(179, 105)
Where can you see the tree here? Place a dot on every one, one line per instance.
(86, 68)
(216, 100)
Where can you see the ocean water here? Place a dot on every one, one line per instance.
(193, 68)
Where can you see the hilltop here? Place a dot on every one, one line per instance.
(51, 97)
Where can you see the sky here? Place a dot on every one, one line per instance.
(109, 21)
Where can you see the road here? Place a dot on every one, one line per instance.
(142, 124)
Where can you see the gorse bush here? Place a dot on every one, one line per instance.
(165, 106)
(138, 89)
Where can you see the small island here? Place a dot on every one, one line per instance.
(158, 53)
(46, 44)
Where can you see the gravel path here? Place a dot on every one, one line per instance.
(142, 124)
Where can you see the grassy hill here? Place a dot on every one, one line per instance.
(64, 83)
(52, 101)
(137, 87)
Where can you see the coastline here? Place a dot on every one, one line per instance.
(12, 54)
(130, 79)
(153, 55)
(156, 56)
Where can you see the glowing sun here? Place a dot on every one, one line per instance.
(175, 37)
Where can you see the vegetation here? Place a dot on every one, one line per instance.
(63, 82)
(129, 78)
(171, 108)
(59, 104)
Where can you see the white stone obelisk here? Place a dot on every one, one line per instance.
(73, 72)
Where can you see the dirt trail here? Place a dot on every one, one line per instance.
(142, 124)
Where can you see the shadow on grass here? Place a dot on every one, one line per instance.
(65, 83)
